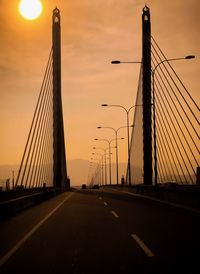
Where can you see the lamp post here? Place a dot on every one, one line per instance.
(115, 62)
(88, 177)
(105, 156)
(109, 142)
(154, 110)
(92, 173)
(128, 135)
(99, 165)
(116, 131)
(153, 104)
(105, 161)
(102, 174)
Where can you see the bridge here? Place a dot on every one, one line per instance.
(149, 223)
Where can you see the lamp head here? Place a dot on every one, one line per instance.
(116, 62)
(190, 57)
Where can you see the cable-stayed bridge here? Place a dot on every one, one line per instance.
(175, 127)
(111, 229)
(44, 161)
(164, 145)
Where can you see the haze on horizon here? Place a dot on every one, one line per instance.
(93, 33)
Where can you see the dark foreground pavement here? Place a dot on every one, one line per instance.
(100, 231)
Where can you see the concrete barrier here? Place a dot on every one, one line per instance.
(12, 206)
(184, 195)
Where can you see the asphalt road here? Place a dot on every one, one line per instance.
(100, 231)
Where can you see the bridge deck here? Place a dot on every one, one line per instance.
(99, 231)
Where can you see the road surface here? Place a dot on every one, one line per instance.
(100, 231)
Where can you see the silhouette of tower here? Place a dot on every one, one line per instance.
(146, 58)
(59, 158)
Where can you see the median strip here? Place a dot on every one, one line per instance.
(143, 246)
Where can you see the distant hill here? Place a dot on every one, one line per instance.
(77, 170)
(6, 171)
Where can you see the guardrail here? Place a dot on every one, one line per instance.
(14, 202)
(184, 195)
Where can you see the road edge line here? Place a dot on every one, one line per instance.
(4, 259)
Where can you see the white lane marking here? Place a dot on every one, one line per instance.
(4, 259)
(115, 214)
(105, 204)
(114, 189)
(127, 192)
(144, 247)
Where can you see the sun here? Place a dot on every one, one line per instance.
(30, 9)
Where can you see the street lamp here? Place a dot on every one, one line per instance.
(105, 156)
(88, 177)
(154, 110)
(105, 162)
(154, 115)
(98, 172)
(109, 142)
(101, 160)
(116, 131)
(128, 135)
(120, 62)
(93, 174)
(127, 111)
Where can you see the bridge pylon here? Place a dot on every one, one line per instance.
(146, 96)
(60, 179)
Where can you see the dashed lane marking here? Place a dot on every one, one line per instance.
(114, 214)
(143, 246)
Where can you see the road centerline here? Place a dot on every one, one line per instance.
(4, 259)
(114, 214)
(142, 245)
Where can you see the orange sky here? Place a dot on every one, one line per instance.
(94, 32)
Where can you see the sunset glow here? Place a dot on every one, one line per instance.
(30, 9)
(93, 33)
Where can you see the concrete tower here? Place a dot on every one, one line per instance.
(59, 158)
(147, 131)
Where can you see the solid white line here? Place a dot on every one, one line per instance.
(115, 214)
(146, 250)
(114, 189)
(4, 259)
(105, 204)
(164, 202)
(133, 194)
